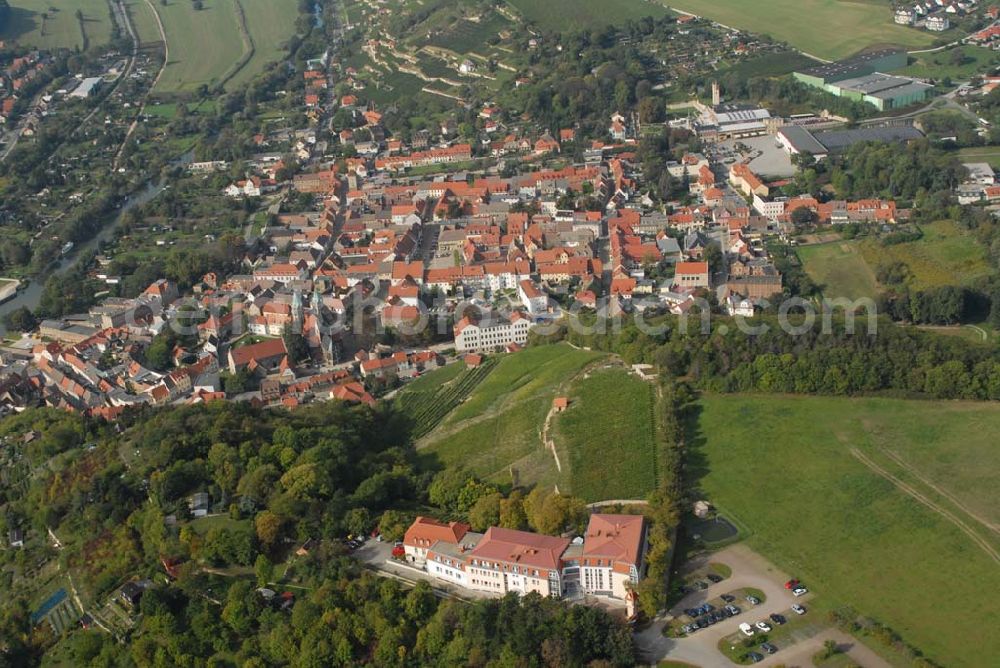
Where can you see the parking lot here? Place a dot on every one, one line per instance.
(751, 572)
(769, 158)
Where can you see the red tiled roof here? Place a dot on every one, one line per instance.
(521, 547)
(691, 268)
(614, 537)
(426, 531)
(258, 351)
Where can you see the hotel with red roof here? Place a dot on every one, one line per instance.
(606, 561)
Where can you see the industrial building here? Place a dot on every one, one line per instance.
(860, 65)
(861, 79)
(730, 121)
(884, 91)
(87, 87)
(798, 140)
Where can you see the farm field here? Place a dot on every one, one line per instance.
(430, 398)
(60, 28)
(839, 269)
(945, 255)
(498, 427)
(829, 29)
(466, 36)
(609, 423)
(560, 15)
(809, 479)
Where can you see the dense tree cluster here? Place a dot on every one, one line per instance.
(343, 616)
(279, 478)
(896, 360)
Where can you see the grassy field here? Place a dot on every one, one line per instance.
(468, 36)
(808, 477)
(975, 60)
(271, 23)
(771, 65)
(205, 45)
(559, 15)
(946, 255)
(144, 21)
(839, 269)
(610, 420)
(990, 154)
(48, 25)
(499, 425)
(824, 28)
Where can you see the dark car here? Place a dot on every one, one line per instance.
(728, 598)
(707, 607)
(754, 657)
(768, 647)
(714, 578)
(702, 624)
(778, 619)
(692, 612)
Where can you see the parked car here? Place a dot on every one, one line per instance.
(728, 598)
(778, 619)
(799, 591)
(692, 612)
(753, 600)
(755, 657)
(792, 584)
(798, 609)
(732, 610)
(746, 629)
(768, 647)
(714, 578)
(763, 626)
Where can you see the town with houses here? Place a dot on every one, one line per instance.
(510, 251)
(288, 353)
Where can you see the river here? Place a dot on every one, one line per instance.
(31, 295)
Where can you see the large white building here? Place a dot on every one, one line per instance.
(534, 299)
(491, 331)
(607, 562)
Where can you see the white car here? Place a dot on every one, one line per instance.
(746, 629)
(798, 609)
(763, 626)
(799, 591)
